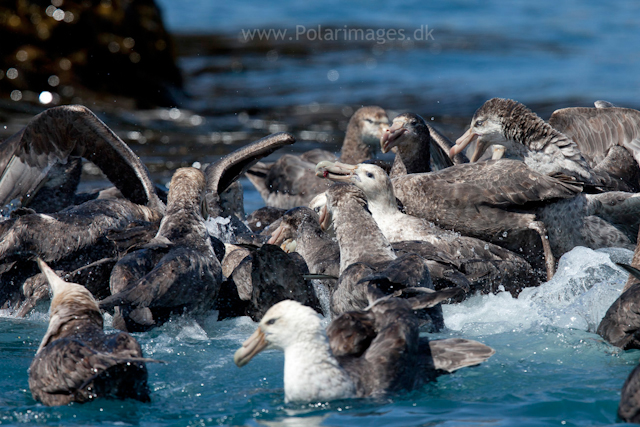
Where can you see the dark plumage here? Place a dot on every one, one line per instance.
(494, 201)
(575, 142)
(417, 145)
(70, 240)
(366, 257)
(598, 130)
(60, 135)
(177, 271)
(593, 220)
(320, 251)
(291, 180)
(77, 361)
(79, 228)
(488, 266)
(40, 165)
(504, 202)
(261, 218)
(372, 352)
(635, 262)
(629, 406)
(263, 277)
(620, 325)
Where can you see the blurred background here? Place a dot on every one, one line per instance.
(187, 81)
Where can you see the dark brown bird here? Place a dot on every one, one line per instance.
(77, 361)
(620, 325)
(291, 180)
(488, 265)
(594, 145)
(262, 277)
(176, 271)
(367, 258)
(629, 406)
(32, 162)
(417, 146)
(35, 167)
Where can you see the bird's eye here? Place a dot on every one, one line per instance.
(368, 120)
(271, 321)
(479, 122)
(369, 175)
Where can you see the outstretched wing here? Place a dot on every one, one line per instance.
(226, 170)
(596, 130)
(57, 134)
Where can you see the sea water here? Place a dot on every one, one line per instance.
(545, 52)
(550, 368)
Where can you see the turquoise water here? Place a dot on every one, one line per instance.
(549, 368)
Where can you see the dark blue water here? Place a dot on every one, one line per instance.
(543, 52)
(549, 367)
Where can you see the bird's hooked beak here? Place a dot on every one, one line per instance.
(325, 218)
(461, 143)
(336, 171)
(389, 139)
(277, 237)
(252, 346)
(498, 151)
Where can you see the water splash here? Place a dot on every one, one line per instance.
(322, 292)
(586, 284)
(220, 228)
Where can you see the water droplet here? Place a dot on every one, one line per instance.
(113, 47)
(53, 81)
(58, 15)
(174, 113)
(134, 57)
(14, 20)
(65, 64)
(272, 55)
(45, 97)
(12, 73)
(16, 95)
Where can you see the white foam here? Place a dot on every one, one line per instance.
(322, 292)
(220, 228)
(586, 284)
(192, 332)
